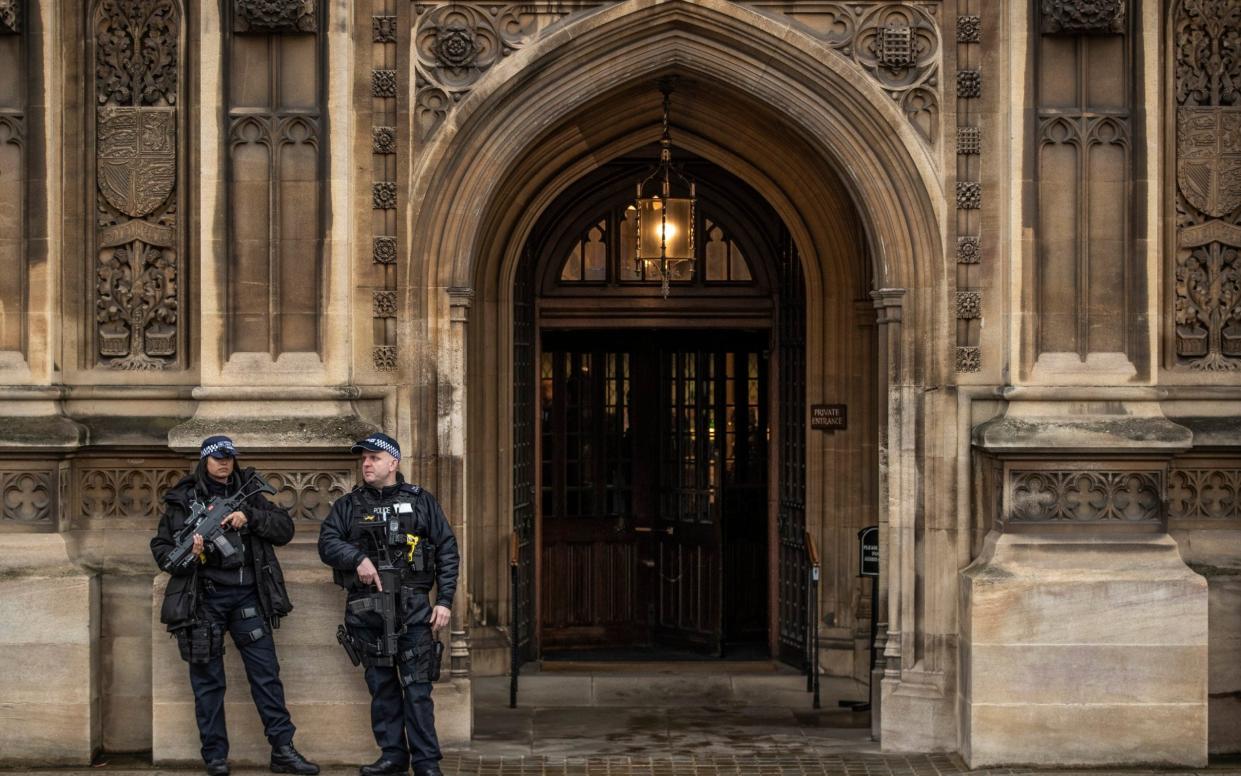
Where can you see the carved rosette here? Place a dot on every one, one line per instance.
(384, 195)
(10, 17)
(456, 43)
(384, 250)
(969, 250)
(136, 292)
(384, 140)
(274, 16)
(1206, 42)
(968, 305)
(1084, 496)
(1083, 17)
(969, 29)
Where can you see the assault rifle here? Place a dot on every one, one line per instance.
(386, 535)
(207, 519)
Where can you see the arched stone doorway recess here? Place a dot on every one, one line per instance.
(792, 119)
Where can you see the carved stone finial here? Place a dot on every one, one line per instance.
(10, 17)
(274, 16)
(1083, 17)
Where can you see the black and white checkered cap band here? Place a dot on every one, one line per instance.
(391, 449)
(217, 447)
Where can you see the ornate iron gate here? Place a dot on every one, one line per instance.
(794, 615)
(521, 628)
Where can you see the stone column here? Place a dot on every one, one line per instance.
(888, 304)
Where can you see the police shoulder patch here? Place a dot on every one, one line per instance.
(410, 488)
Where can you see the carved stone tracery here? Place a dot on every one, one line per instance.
(1205, 490)
(136, 277)
(1076, 496)
(1206, 38)
(274, 16)
(1083, 17)
(26, 497)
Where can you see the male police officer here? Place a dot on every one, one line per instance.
(243, 593)
(387, 542)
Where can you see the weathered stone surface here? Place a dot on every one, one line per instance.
(49, 631)
(1080, 650)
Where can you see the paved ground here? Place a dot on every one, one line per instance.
(677, 722)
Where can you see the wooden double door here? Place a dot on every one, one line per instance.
(653, 490)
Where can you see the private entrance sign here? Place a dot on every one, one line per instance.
(829, 417)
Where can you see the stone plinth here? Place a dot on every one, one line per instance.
(49, 626)
(325, 693)
(1083, 651)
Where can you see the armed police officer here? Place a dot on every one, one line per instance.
(233, 583)
(387, 542)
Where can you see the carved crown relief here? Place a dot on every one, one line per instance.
(274, 16)
(10, 17)
(1206, 38)
(1083, 17)
(137, 270)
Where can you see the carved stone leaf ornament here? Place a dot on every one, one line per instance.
(1083, 17)
(969, 358)
(1206, 39)
(136, 296)
(385, 358)
(10, 17)
(969, 195)
(274, 16)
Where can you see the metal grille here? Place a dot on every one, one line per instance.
(791, 523)
(523, 456)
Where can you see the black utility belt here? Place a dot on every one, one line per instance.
(371, 602)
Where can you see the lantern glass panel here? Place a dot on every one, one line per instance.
(670, 230)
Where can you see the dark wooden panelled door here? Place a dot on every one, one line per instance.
(654, 452)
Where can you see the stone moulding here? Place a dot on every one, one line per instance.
(266, 16)
(1083, 17)
(1060, 494)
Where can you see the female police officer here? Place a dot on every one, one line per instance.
(241, 591)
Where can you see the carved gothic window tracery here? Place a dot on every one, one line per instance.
(13, 180)
(275, 86)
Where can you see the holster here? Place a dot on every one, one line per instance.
(200, 642)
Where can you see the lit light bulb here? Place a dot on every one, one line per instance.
(667, 231)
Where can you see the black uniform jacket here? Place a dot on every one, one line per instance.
(337, 551)
(268, 526)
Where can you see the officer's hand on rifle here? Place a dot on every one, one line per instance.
(198, 544)
(368, 575)
(235, 520)
(439, 617)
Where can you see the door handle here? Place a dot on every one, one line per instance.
(649, 529)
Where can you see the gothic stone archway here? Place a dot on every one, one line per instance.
(787, 114)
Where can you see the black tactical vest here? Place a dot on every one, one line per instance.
(400, 525)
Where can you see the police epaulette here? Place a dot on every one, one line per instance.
(411, 488)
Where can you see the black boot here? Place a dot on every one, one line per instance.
(286, 759)
(427, 769)
(217, 768)
(383, 767)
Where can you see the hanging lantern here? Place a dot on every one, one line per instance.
(665, 205)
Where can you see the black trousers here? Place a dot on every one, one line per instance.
(403, 717)
(223, 604)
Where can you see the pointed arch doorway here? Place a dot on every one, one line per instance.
(659, 467)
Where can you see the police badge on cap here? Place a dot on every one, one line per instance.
(378, 443)
(217, 447)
